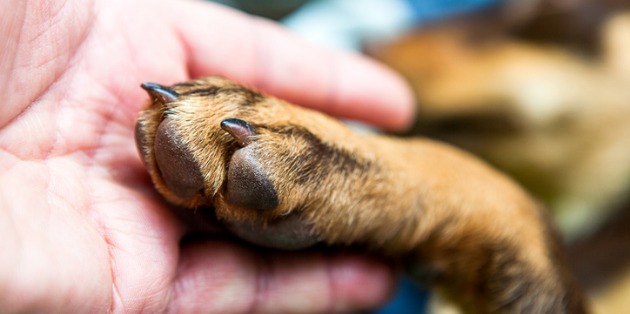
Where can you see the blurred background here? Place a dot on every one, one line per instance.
(538, 88)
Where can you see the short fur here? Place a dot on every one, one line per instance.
(452, 219)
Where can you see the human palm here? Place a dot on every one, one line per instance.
(80, 226)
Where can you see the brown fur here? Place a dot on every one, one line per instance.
(476, 234)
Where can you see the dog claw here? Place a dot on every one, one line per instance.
(242, 131)
(163, 94)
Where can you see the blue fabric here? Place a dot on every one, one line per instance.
(409, 299)
(428, 10)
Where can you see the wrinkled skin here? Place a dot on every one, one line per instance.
(82, 230)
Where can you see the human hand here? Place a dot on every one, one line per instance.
(82, 229)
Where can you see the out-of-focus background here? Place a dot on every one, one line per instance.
(538, 88)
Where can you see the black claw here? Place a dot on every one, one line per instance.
(240, 130)
(159, 92)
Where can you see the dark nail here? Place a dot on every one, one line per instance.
(159, 92)
(240, 130)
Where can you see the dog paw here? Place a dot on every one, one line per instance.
(267, 167)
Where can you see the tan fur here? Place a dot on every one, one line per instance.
(449, 217)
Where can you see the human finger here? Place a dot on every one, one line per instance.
(217, 276)
(262, 54)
